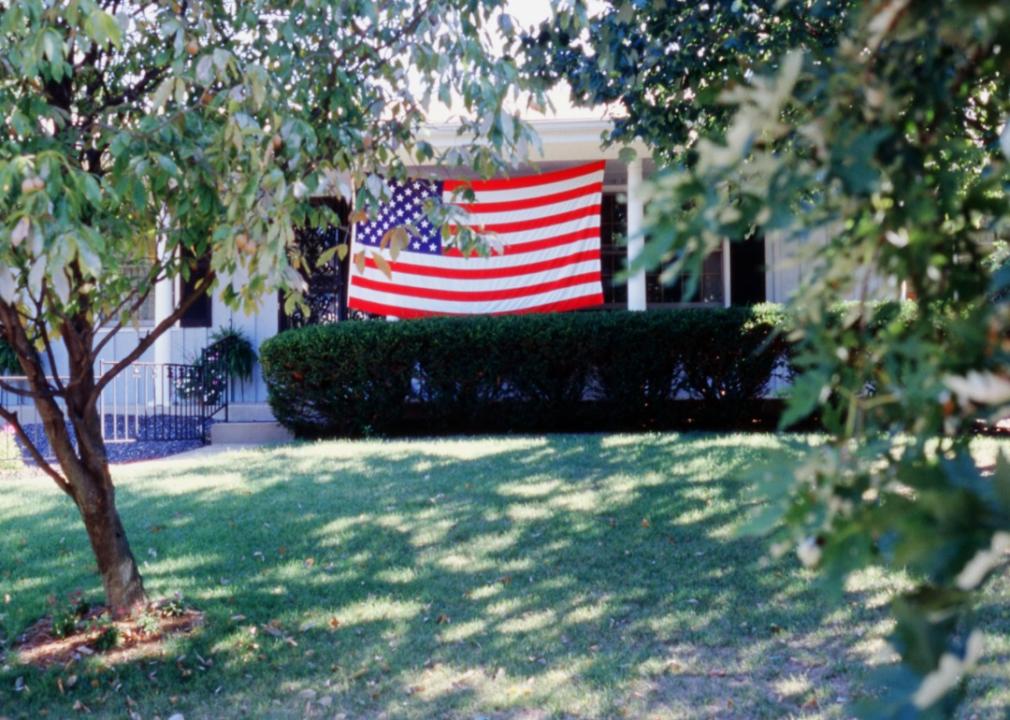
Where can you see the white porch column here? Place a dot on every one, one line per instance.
(164, 302)
(636, 240)
(727, 286)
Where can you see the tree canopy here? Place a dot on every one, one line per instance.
(662, 65)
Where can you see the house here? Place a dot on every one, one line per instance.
(752, 271)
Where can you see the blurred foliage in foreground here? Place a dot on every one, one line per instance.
(886, 135)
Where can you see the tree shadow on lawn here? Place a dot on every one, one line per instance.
(564, 576)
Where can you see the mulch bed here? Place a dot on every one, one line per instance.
(131, 440)
(41, 647)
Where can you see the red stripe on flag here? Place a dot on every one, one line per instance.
(526, 181)
(527, 203)
(487, 273)
(406, 313)
(537, 223)
(535, 245)
(391, 288)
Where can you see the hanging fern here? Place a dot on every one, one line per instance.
(230, 355)
(231, 350)
(9, 364)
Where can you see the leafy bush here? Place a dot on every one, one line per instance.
(66, 616)
(340, 379)
(520, 373)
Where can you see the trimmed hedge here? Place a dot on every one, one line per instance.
(572, 371)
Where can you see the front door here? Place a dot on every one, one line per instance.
(327, 285)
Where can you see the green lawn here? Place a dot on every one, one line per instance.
(565, 576)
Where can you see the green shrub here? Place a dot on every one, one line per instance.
(572, 371)
(344, 379)
(637, 363)
(730, 354)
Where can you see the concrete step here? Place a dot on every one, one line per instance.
(248, 412)
(249, 433)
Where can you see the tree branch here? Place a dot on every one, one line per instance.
(50, 413)
(148, 340)
(138, 301)
(15, 390)
(40, 328)
(12, 419)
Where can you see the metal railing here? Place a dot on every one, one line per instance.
(152, 402)
(216, 385)
(10, 448)
(162, 401)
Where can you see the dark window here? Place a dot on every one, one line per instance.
(708, 290)
(138, 273)
(326, 295)
(613, 258)
(200, 313)
(613, 249)
(747, 271)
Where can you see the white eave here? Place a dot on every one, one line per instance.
(562, 140)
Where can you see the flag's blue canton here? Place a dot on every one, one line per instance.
(406, 207)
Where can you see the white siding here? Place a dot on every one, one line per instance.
(790, 262)
(186, 343)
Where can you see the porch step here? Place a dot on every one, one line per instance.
(249, 432)
(249, 412)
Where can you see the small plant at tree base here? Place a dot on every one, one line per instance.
(108, 634)
(148, 623)
(173, 607)
(64, 623)
(66, 618)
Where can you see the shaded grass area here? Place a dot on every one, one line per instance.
(557, 576)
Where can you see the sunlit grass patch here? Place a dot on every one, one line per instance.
(518, 577)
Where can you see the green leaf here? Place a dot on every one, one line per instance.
(162, 93)
(103, 28)
(326, 256)
(168, 165)
(52, 44)
(92, 191)
(804, 396)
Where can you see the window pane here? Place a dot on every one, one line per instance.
(137, 272)
(200, 313)
(613, 250)
(708, 290)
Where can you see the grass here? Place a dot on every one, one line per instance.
(560, 576)
(10, 452)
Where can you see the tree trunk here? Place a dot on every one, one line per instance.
(96, 499)
(124, 589)
(86, 469)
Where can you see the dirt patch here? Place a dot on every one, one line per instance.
(61, 640)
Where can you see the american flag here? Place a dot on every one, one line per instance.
(547, 259)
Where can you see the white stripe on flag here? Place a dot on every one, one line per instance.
(451, 307)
